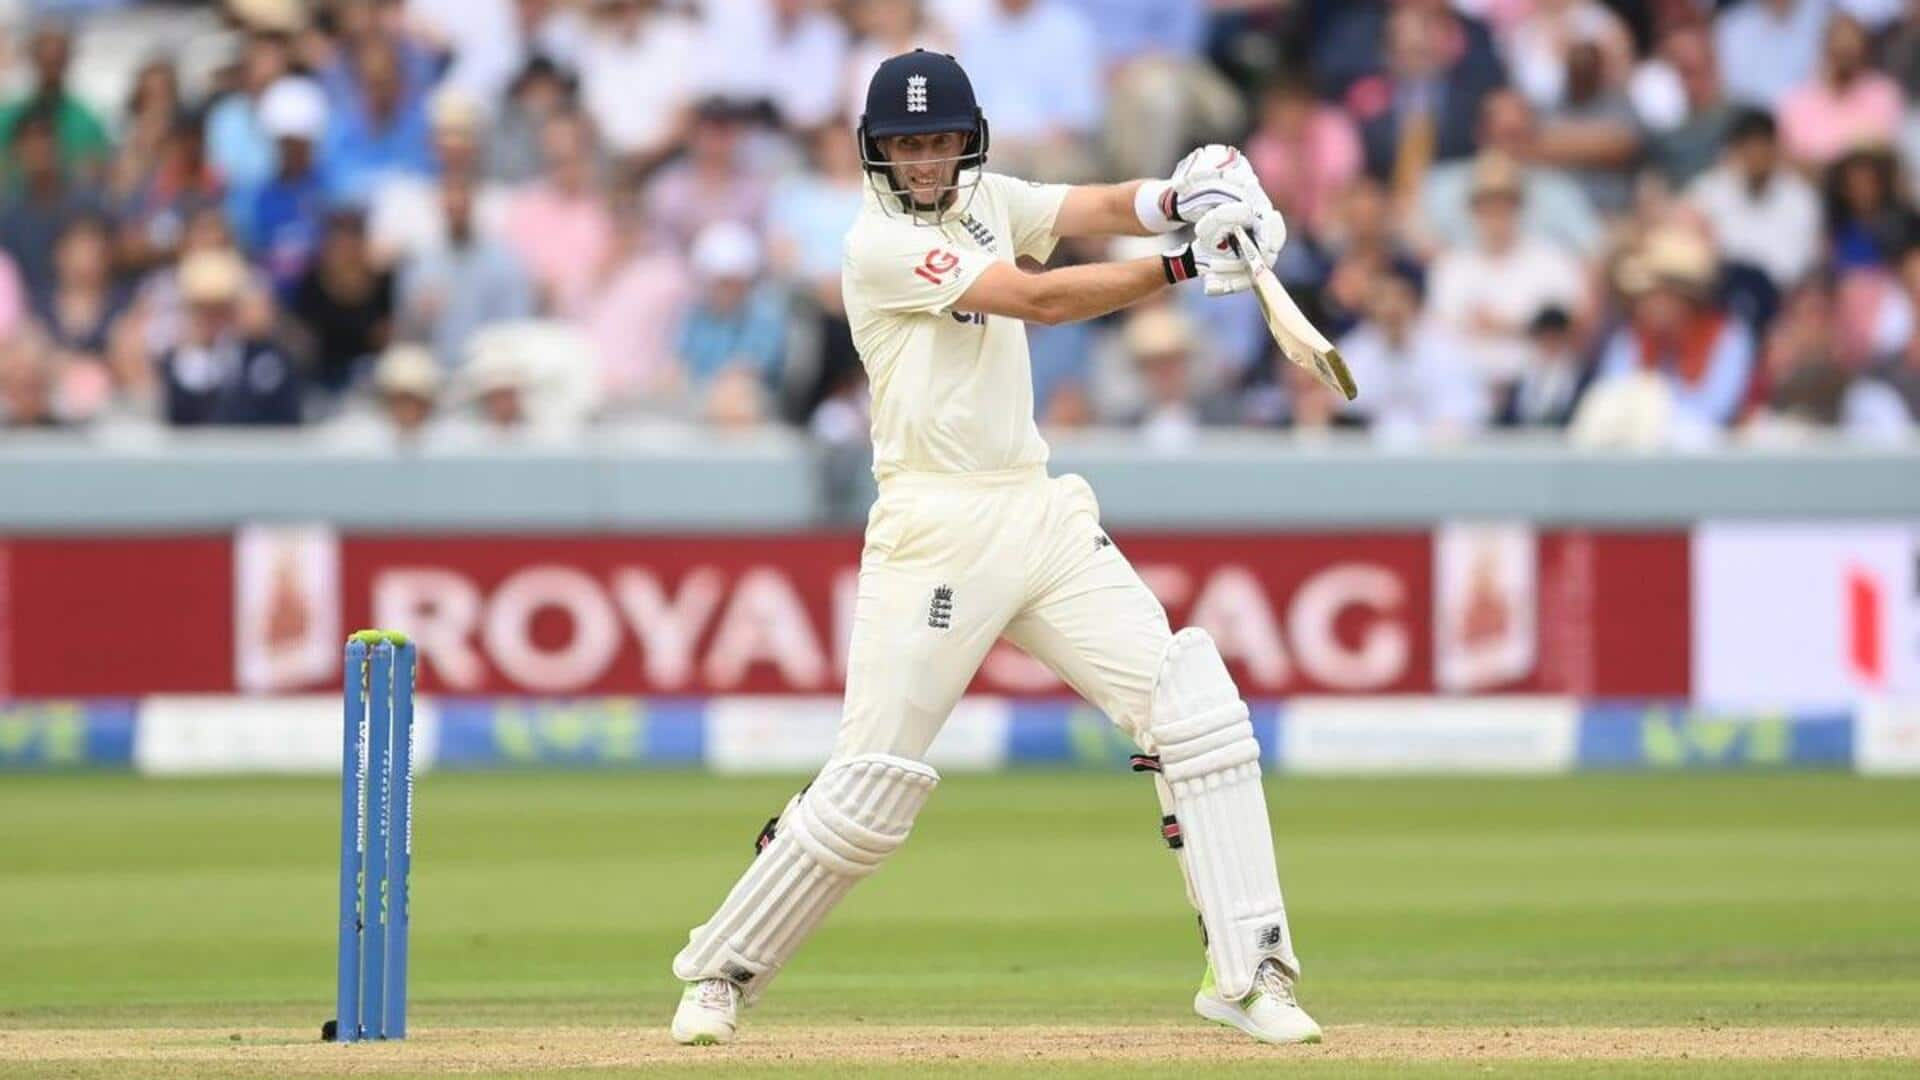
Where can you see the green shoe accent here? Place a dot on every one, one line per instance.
(1207, 987)
(705, 1040)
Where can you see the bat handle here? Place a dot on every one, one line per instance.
(1248, 250)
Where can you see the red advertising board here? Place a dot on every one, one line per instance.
(1586, 613)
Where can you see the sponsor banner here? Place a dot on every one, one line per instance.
(1805, 615)
(1887, 737)
(1485, 606)
(43, 736)
(194, 734)
(286, 626)
(117, 617)
(1499, 609)
(1658, 735)
(1414, 734)
(475, 733)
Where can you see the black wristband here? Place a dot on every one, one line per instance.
(1179, 265)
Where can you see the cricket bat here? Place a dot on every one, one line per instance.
(1303, 343)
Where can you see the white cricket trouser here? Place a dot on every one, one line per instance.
(954, 562)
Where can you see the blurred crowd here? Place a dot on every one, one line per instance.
(1646, 222)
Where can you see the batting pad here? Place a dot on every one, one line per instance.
(855, 814)
(1209, 758)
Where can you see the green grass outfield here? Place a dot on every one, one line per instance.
(1034, 920)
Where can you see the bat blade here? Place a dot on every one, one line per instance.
(1298, 338)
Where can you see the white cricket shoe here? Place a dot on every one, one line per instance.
(708, 1013)
(1268, 1013)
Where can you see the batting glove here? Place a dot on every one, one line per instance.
(1214, 175)
(1223, 268)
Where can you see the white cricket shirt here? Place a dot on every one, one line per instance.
(952, 391)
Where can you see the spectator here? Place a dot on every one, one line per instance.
(1846, 105)
(41, 203)
(447, 296)
(1044, 115)
(887, 28)
(512, 405)
(477, 43)
(1771, 46)
(405, 220)
(1350, 49)
(1419, 386)
(79, 134)
(539, 93)
(1540, 45)
(1361, 242)
(1869, 219)
(80, 314)
(27, 391)
(344, 304)
(636, 78)
(1423, 107)
(634, 317)
(241, 150)
(407, 379)
(1812, 389)
(1304, 152)
(1551, 381)
(283, 231)
(1554, 207)
(1162, 343)
(500, 385)
(1164, 96)
(1488, 295)
(808, 217)
(560, 228)
(713, 183)
(160, 312)
(1682, 107)
(732, 341)
(1593, 133)
(153, 114)
(1675, 332)
(1761, 213)
(377, 124)
(219, 374)
(545, 30)
(154, 211)
(777, 50)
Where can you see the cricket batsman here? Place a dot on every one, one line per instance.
(971, 540)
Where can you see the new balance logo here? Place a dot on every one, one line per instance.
(1268, 937)
(1100, 541)
(916, 93)
(940, 612)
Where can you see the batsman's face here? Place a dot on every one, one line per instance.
(925, 165)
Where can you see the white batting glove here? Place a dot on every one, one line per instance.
(1213, 175)
(1223, 269)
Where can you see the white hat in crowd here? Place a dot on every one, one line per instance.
(271, 16)
(212, 277)
(497, 365)
(407, 369)
(294, 108)
(726, 249)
